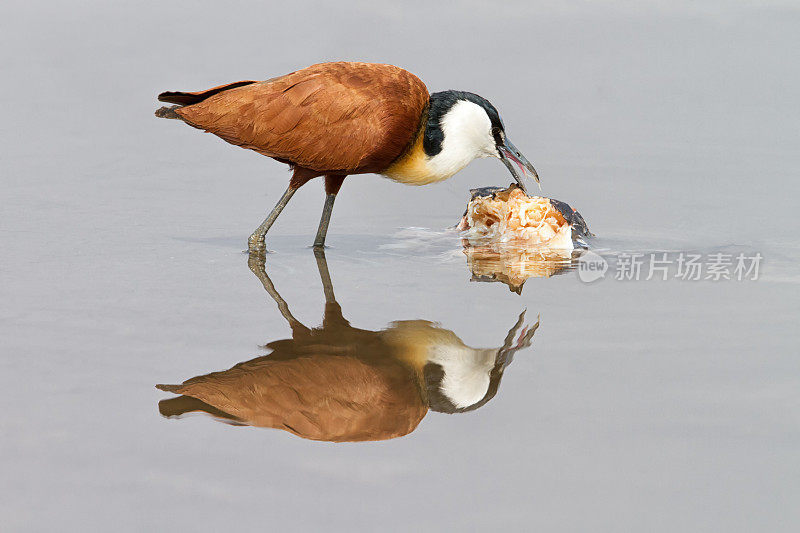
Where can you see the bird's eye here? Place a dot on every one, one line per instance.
(497, 133)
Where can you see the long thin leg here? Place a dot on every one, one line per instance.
(257, 264)
(256, 241)
(333, 311)
(319, 241)
(332, 185)
(324, 275)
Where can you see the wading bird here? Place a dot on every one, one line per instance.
(341, 383)
(337, 119)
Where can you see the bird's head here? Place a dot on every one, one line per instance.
(463, 126)
(458, 378)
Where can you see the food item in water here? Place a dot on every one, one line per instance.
(510, 237)
(510, 215)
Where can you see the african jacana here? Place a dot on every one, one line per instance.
(341, 383)
(337, 119)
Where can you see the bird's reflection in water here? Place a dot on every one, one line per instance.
(514, 265)
(340, 383)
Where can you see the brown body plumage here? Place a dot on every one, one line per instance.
(335, 383)
(331, 118)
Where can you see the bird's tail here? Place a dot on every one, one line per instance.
(180, 406)
(189, 98)
(168, 112)
(177, 407)
(170, 388)
(184, 98)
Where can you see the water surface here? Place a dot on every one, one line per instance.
(650, 405)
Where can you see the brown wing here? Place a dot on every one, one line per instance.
(349, 117)
(319, 397)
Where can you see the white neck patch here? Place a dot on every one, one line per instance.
(466, 372)
(467, 135)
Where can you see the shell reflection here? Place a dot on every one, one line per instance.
(341, 383)
(514, 265)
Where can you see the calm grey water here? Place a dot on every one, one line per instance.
(641, 406)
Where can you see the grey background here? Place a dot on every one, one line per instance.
(658, 406)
